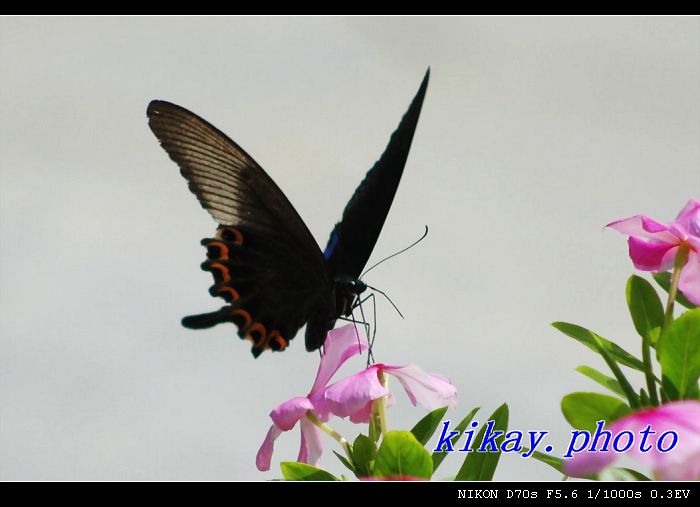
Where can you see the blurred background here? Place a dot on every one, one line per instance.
(534, 134)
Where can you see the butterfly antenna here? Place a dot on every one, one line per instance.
(394, 255)
(388, 299)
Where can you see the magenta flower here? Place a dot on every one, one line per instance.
(341, 344)
(352, 397)
(681, 463)
(653, 246)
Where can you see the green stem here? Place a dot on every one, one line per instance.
(679, 262)
(381, 407)
(374, 430)
(330, 431)
(648, 371)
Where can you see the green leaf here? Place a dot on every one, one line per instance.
(402, 455)
(363, 455)
(587, 337)
(554, 462)
(645, 307)
(294, 471)
(605, 381)
(345, 462)
(679, 355)
(480, 466)
(654, 337)
(637, 475)
(664, 280)
(583, 410)
(621, 474)
(644, 400)
(664, 396)
(425, 428)
(631, 396)
(439, 456)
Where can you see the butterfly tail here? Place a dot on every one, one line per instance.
(207, 320)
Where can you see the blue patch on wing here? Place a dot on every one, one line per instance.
(332, 243)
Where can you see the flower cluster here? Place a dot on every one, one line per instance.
(666, 405)
(351, 397)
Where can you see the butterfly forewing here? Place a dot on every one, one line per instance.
(353, 239)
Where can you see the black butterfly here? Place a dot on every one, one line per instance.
(265, 262)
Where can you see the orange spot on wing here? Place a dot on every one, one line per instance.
(247, 319)
(223, 249)
(276, 341)
(225, 275)
(258, 329)
(237, 235)
(231, 291)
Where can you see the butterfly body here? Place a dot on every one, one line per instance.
(266, 264)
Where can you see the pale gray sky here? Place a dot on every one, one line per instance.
(535, 132)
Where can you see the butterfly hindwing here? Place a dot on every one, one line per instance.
(264, 260)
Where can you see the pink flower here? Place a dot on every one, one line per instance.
(352, 397)
(653, 246)
(680, 463)
(341, 344)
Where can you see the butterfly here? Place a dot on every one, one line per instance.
(266, 264)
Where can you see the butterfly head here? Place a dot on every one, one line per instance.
(350, 285)
(346, 291)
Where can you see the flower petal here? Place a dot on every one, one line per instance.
(429, 390)
(682, 463)
(694, 242)
(588, 463)
(644, 227)
(322, 410)
(689, 218)
(311, 443)
(264, 457)
(352, 394)
(651, 256)
(363, 415)
(341, 344)
(689, 282)
(287, 414)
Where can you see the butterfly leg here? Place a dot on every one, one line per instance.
(358, 304)
(353, 320)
